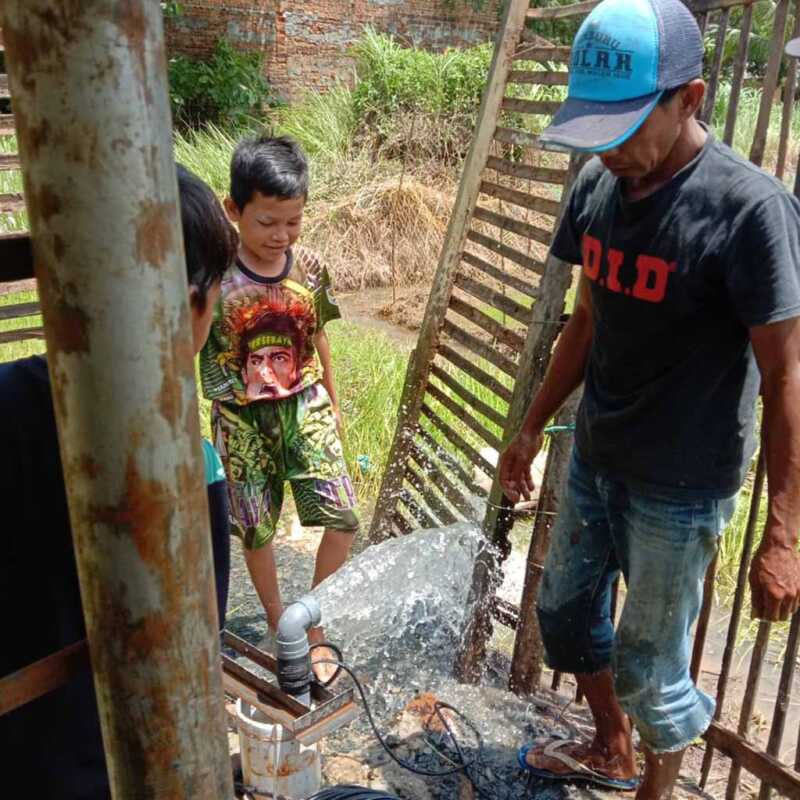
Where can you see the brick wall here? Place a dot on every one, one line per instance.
(306, 41)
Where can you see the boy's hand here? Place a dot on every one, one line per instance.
(515, 466)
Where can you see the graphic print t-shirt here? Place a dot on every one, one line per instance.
(676, 281)
(261, 345)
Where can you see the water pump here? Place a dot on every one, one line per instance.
(294, 661)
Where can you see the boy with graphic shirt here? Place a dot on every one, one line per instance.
(267, 368)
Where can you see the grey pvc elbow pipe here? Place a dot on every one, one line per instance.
(294, 663)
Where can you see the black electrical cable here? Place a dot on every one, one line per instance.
(352, 793)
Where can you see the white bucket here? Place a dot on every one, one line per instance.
(274, 763)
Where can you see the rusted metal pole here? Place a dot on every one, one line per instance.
(92, 114)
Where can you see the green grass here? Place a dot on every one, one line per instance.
(10, 351)
(11, 182)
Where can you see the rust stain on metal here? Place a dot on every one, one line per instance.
(69, 327)
(154, 232)
(146, 506)
(132, 21)
(88, 466)
(171, 393)
(46, 202)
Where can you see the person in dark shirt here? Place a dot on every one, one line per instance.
(689, 301)
(54, 744)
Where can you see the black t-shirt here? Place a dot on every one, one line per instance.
(54, 743)
(676, 281)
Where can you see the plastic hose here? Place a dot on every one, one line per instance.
(352, 793)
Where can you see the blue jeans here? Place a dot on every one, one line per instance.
(663, 548)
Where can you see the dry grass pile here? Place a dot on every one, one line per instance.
(382, 234)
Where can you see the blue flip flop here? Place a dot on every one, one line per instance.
(581, 773)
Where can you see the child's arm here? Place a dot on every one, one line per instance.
(324, 351)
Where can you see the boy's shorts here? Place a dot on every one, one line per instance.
(266, 443)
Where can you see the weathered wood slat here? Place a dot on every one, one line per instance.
(457, 441)
(4, 93)
(516, 137)
(426, 490)
(452, 464)
(761, 765)
(7, 125)
(484, 378)
(526, 171)
(401, 523)
(716, 68)
(9, 161)
(416, 509)
(770, 83)
(506, 252)
(43, 676)
(494, 299)
(464, 416)
(701, 629)
(479, 348)
(468, 397)
(431, 467)
(542, 55)
(522, 199)
(12, 203)
(739, 69)
(538, 107)
(487, 323)
(532, 232)
(505, 613)
(501, 276)
(539, 77)
(21, 335)
(20, 310)
(16, 257)
(789, 89)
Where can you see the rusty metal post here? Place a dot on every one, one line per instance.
(92, 115)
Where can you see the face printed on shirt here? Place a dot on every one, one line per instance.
(270, 372)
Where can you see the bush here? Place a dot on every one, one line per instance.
(228, 89)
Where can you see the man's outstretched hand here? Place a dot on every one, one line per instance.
(515, 466)
(775, 582)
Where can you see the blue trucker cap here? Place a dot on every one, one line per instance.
(625, 55)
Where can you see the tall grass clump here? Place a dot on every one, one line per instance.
(11, 183)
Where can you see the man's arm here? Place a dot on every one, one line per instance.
(323, 347)
(775, 572)
(564, 374)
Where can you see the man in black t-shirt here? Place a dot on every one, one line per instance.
(53, 744)
(688, 301)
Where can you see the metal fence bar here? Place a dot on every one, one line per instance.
(91, 103)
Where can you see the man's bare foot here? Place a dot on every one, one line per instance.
(591, 755)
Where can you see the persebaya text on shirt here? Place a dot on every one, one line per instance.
(651, 273)
(261, 345)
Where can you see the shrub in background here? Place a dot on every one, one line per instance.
(228, 89)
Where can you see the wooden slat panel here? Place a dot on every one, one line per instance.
(716, 69)
(4, 87)
(435, 503)
(539, 77)
(21, 335)
(20, 310)
(494, 299)
(12, 203)
(400, 522)
(427, 463)
(468, 397)
(532, 232)
(491, 326)
(501, 276)
(526, 171)
(418, 511)
(518, 138)
(452, 464)
(6, 124)
(479, 348)
(522, 199)
(464, 416)
(457, 360)
(789, 91)
(542, 55)
(739, 69)
(9, 161)
(458, 441)
(761, 765)
(16, 257)
(539, 107)
(506, 252)
(43, 676)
